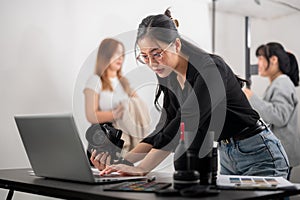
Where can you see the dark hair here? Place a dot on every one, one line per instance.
(287, 61)
(163, 28)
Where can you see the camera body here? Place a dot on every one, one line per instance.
(105, 138)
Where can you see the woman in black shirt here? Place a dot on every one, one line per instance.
(202, 91)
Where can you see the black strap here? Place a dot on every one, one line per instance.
(124, 161)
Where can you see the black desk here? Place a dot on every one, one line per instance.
(21, 180)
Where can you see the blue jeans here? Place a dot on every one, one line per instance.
(259, 155)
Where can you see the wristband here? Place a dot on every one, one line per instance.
(124, 161)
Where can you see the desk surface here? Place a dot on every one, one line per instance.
(21, 180)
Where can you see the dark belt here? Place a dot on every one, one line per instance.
(247, 132)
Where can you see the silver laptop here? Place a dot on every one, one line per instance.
(55, 150)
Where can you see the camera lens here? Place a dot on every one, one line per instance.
(99, 138)
(185, 178)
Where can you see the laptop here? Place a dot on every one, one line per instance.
(55, 150)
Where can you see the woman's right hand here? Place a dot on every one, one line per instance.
(118, 112)
(124, 170)
(100, 160)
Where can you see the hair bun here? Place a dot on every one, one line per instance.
(168, 13)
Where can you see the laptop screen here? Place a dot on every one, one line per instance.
(54, 148)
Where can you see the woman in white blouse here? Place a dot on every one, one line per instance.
(106, 89)
(279, 105)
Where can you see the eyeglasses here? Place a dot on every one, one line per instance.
(157, 55)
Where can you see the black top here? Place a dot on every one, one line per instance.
(211, 100)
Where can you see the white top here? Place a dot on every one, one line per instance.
(108, 100)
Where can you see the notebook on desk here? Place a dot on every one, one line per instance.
(55, 150)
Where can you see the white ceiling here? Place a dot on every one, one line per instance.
(268, 9)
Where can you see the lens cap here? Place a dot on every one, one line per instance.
(185, 178)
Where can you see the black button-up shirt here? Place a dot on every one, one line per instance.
(211, 100)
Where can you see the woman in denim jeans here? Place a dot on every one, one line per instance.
(259, 155)
(200, 90)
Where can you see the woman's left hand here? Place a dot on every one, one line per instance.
(124, 170)
(248, 93)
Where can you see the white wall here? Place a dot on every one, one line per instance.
(230, 44)
(45, 44)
